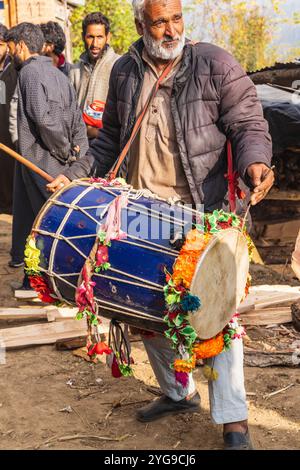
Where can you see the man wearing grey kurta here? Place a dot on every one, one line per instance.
(51, 132)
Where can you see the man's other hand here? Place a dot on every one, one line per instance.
(262, 179)
(92, 132)
(59, 182)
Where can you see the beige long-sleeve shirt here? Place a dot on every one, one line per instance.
(154, 161)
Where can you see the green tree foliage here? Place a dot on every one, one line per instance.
(120, 15)
(245, 28)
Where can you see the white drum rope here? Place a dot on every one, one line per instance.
(125, 281)
(55, 243)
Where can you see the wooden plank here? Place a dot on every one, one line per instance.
(267, 316)
(265, 303)
(61, 313)
(35, 313)
(23, 314)
(265, 359)
(266, 296)
(25, 294)
(42, 334)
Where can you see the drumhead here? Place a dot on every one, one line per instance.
(219, 281)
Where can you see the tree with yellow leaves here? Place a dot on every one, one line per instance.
(245, 28)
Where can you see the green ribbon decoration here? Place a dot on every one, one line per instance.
(125, 370)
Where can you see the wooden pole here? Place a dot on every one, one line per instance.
(27, 163)
(68, 50)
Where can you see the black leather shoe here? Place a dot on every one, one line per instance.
(164, 406)
(237, 441)
(16, 264)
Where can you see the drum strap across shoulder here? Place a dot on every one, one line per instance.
(114, 171)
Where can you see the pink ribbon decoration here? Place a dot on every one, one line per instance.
(85, 293)
(112, 225)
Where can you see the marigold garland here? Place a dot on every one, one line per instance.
(178, 297)
(209, 348)
(186, 366)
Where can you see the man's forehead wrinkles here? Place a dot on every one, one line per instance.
(165, 17)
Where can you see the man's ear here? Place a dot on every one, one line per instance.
(139, 27)
(23, 48)
(108, 38)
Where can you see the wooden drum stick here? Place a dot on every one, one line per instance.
(27, 163)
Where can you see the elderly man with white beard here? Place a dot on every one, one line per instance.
(179, 151)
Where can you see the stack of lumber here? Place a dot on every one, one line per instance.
(268, 313)
(48, 326)
(269, 305)
(265, 306)
(276, 223)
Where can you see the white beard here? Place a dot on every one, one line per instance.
(155, 47)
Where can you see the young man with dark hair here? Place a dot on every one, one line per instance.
(51, 132)
(55, 43)
(90, 76)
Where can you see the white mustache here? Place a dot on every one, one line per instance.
(171, 39)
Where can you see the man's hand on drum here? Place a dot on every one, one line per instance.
(59, 182)
(262, 179)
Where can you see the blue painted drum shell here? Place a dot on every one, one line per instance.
(132, 290)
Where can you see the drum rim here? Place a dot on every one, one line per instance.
(217, 237)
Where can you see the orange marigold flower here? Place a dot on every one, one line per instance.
(195, 241)
(186, 263)
(188, 366)
(209, 348)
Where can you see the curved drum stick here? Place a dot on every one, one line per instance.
(27, 163)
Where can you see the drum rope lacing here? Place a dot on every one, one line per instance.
(133, 195)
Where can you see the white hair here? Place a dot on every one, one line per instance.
(155, 46)
(138, 9)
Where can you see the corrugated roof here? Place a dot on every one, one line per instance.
(279, 66)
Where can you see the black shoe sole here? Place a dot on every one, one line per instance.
(142, 419)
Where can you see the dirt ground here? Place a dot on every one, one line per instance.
(47, 394)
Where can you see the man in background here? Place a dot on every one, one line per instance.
(90, 76)
(8, 77)
(55, 43)
(51, 132)
(4, 57)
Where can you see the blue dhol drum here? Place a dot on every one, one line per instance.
(131, 290)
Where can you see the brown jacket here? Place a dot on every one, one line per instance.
(212, 100)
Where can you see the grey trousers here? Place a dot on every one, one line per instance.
(226, 394)
(29, 196)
